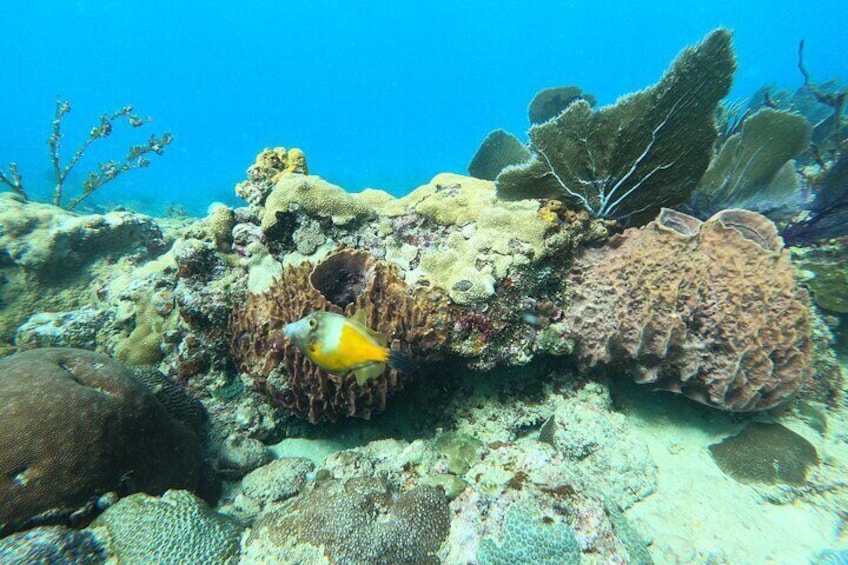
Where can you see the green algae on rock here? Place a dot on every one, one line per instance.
(765, 454)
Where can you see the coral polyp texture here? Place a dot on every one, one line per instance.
(343, 282)
(707, 309)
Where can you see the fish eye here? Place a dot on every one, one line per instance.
(312, 323)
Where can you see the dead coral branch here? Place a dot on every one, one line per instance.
(135, 158)
(13, 181)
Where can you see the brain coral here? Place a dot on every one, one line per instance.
(344, 282)
(175, 528)
(710, 310)
(355, 522)
(76, 425)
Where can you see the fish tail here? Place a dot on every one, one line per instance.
(401, 361)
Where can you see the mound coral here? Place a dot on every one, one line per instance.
(174, 528)
(355, 522)
(77, 425)
(624, 162)
(710, 310)
(344, 282)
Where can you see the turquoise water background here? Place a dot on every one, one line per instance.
(379, 94)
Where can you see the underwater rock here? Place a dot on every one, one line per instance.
(656, 299)
(498, 151)
(49, 257)
(355, 522)
(77, 328)
(239, 455)
(600, 444)
(174, 528)
(550, 102)
(54, 242)
(278, 480)
(753, 168)
(649, 150)
(765, 454)
(91, 427)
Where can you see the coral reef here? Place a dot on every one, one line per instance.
(624, 162)
(753, 168)
(708, 310)
(355, 522)
(344, 282)
(91, 428)
(174, 528)
(550, 102)
(498, 151)
(765, 453)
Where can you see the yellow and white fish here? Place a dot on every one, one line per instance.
(340, 345)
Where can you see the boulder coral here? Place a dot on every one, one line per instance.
(343, 282)
(77, 425)
(360, 521)
(710, 310)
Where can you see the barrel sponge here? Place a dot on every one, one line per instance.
(174, 528)
(77, 425)
(710, 310)
(358, 521)
(344, 282)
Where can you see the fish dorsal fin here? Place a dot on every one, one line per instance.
(368, 372)
(360, 319)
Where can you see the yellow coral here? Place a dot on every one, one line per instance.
(271, 163)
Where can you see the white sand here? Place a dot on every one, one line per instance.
(699, 515)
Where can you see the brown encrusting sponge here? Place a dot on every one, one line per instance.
(344, 282)
(708, 309)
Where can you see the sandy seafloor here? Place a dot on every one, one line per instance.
(699, 515)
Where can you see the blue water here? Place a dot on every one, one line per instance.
(379, 94)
